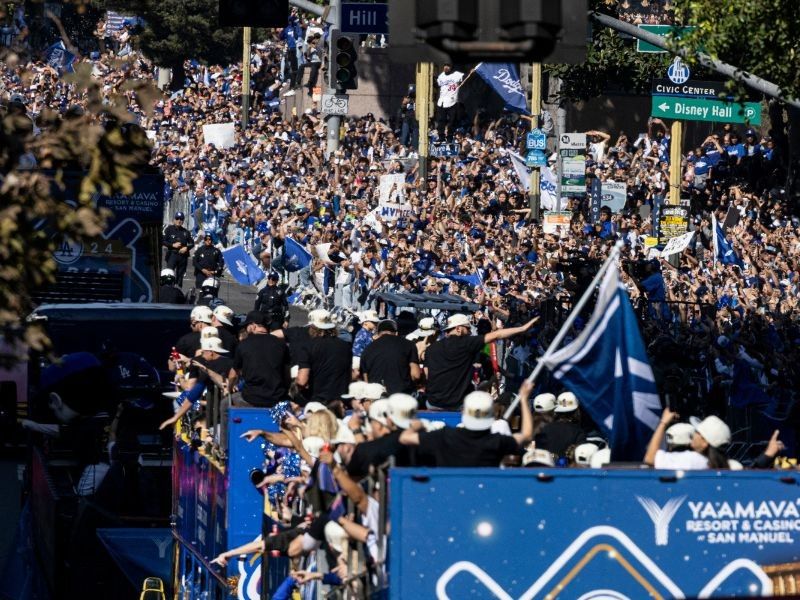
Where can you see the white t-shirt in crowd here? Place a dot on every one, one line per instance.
(688, 460)
(448, 88)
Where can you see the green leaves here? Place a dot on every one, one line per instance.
(32, 219)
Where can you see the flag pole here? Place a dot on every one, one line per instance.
(570, 320)
(714, 240)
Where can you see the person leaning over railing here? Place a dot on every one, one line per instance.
(474, 445)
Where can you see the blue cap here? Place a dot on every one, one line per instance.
(179, 215)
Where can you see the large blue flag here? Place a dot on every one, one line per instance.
(606, 367)
(61, 59)
(473, 280)
(242, 266)
(504, 79)
(295, 257)
(723, 249)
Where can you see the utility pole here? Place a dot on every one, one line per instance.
(535, 191)
(675, 143)
(424, 100)
(245, 76)
(334, 122)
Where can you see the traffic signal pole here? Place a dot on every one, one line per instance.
(245, 76)
(535, 191)
(423, 102)
(334, 122)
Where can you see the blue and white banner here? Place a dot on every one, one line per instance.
(61, 59)
(723, 249)
(295, 257)
(525, 534)
(607, 368)
(242, 266)
(547, 181)
(504, 79)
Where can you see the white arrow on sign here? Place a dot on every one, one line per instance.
(663, 106)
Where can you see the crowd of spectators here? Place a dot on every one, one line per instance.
(722, 334)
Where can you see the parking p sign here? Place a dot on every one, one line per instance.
(536, 140)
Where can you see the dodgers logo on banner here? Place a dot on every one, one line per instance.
(504, 79)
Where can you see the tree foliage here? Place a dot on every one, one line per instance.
(757, 37)
(177, 30)
(96, 140)
(611, 63)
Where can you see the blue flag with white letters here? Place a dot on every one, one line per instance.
(61, 59)
(295, 257)
(503, 78)
(242, 266)
(723, 249)
(607, 368)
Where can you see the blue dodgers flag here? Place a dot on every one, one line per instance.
(606, 367)
(295, 257)
(58, 57)
(504, 79)
(723, 249)
(242, 266)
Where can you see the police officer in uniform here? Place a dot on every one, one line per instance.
(209, 294)
(178, 241)
(208, 261)
(168, 292)
(271, 300)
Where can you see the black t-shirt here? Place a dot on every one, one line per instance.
(457, 447)
(557, 436)
(189, 344)
(331, 366)
(263, 362)
(221, 365)
(229, 341)
(449, 363)
(297, 338)
(386, 360)
(376, 452)
(169, 294)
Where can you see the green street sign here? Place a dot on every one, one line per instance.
(704, 109)
(662, 30)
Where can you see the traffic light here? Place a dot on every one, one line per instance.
(253, 13)
(343, 58)
(469, 31)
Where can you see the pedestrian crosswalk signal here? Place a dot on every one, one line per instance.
(345, 57)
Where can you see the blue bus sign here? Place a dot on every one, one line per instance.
(536, 140)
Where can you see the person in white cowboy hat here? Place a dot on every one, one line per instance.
(222, 319)
(565, 430)
(391, 360)
(298, 336)
(388, 419)
(369, 320)
(423, 336)
(448, 362)
(710, 436)
(262, 361)
(543, 406)
(189, 344)
(324, 362)
(474, 445)
(211, 367)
